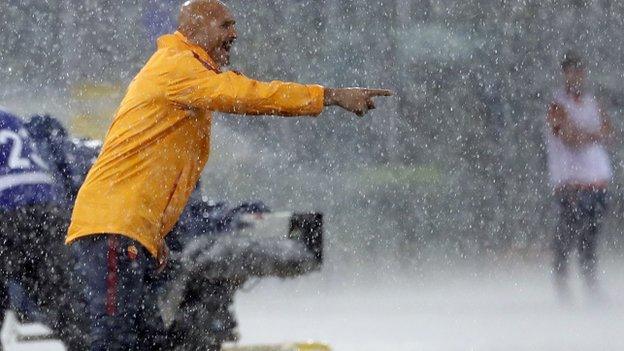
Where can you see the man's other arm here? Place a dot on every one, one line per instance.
(607, 130)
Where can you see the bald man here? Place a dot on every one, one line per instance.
(152, 158)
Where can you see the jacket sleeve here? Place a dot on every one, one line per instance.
(193, 85)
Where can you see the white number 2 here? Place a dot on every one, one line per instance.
(16, 161)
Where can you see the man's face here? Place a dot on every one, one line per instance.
(216, 33)
(575, 77)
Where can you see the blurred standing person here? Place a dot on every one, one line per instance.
(580, 172)
(152, 157)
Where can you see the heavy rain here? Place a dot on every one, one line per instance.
(150, 200)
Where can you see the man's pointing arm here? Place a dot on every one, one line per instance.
(231, 92)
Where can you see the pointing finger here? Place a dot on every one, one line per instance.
(378, 92)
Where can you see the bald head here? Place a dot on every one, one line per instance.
(210, 25)
(194, 13)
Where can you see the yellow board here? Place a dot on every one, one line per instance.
(307, 346)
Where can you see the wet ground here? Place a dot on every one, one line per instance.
(509, 308)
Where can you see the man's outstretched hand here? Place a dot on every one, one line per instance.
(356, 100)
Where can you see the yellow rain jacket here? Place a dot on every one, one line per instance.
(159, 141)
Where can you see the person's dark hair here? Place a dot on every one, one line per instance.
(45, 127)
(571, 59)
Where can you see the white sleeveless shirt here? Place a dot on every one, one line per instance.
(587, 164)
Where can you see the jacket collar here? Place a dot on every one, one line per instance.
(179, 41)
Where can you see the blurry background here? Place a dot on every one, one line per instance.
(450, 173)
